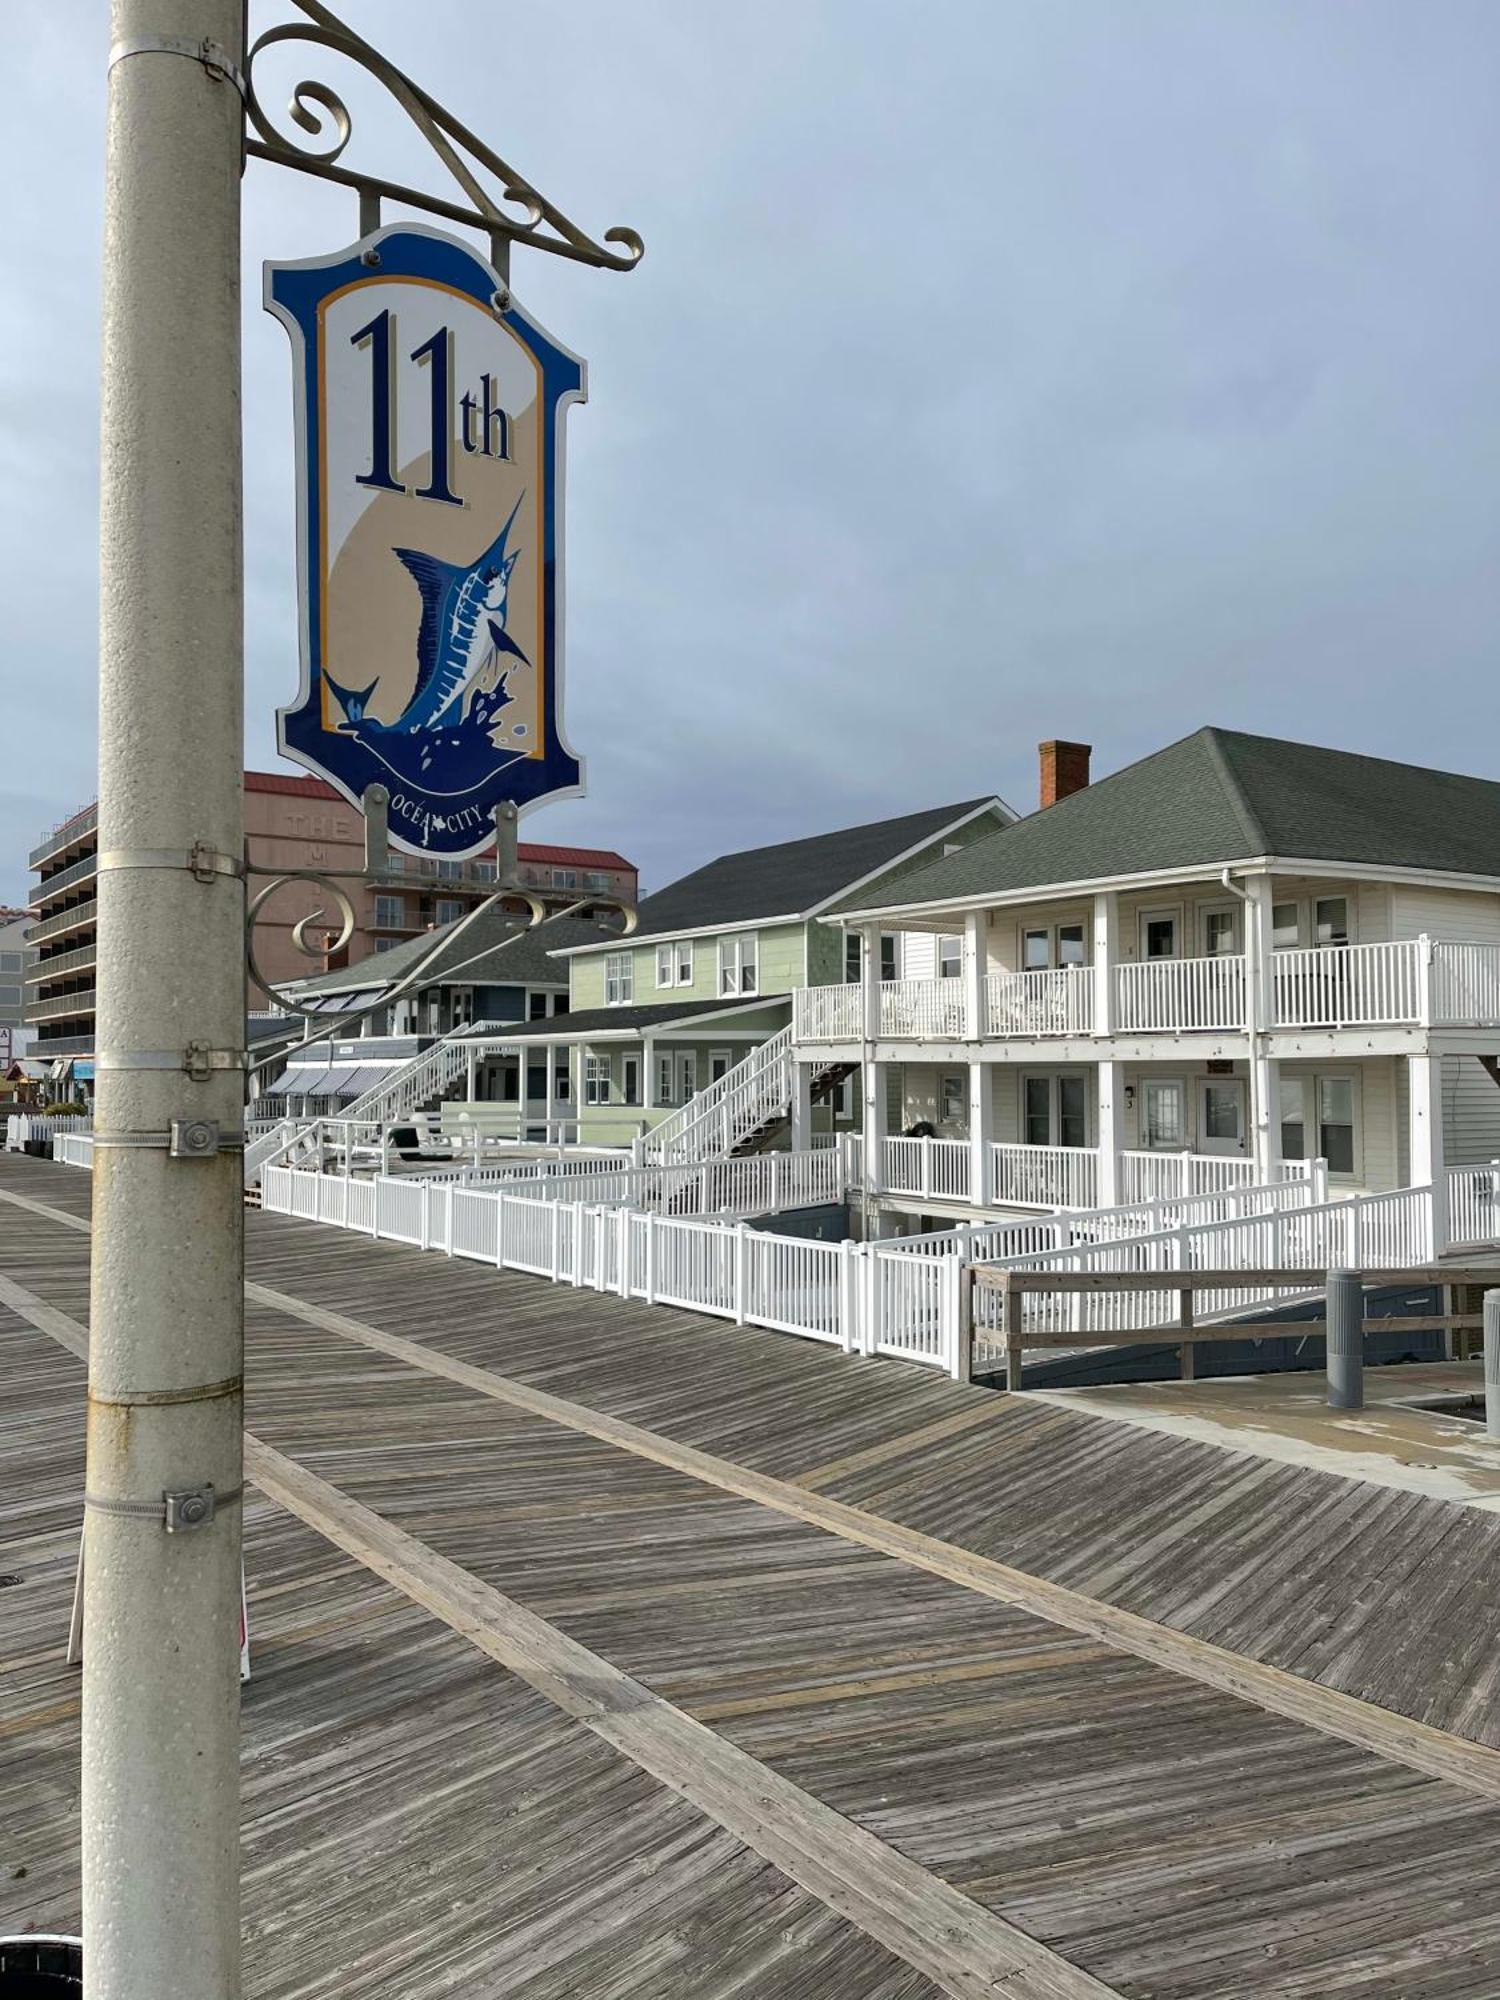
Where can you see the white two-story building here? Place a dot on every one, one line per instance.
(1235, 955)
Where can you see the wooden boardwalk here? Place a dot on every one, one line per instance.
(747, 1699)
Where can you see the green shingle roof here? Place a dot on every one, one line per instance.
(1221, 796)
(523, 961)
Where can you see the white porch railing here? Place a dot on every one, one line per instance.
(750, 1184)
(1350, 985)
(1465, 985)
(863, 1298)
(936, 1167)
(1156, 994)
(1058, 1002)
(1044, 1176)
(1474, 1204)
(750, 1096)
(827, 1014)
(1153, 1176)
(922, 1010)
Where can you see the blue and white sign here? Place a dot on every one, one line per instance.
(430, 480)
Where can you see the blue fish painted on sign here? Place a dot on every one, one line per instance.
(461, 634)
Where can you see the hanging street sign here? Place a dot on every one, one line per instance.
(429, 485)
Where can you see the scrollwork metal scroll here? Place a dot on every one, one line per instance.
(537, 223)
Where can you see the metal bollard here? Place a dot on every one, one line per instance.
(1492, 1363)
(1346, 1340)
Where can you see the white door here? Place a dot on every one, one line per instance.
(1221, 1114)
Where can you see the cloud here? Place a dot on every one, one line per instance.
(996, 371)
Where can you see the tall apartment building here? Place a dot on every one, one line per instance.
(291, 823)
(14, 1035)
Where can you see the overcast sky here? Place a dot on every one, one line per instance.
(997, 369)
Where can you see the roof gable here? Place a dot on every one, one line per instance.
(793, 878)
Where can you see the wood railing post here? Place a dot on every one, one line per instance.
(1188, 1362)
(1012, 1309)
(963, 1345)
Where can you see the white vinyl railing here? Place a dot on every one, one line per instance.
(1058, 1002)
(827, 1013)
(863, 1298)
(747, 1185)
(922, 1010)
(23, 1128)
(73, 1149)
(1466, 985)
(1153, 994)
(749, 1097)
(415, 1084)
(1474, 1204)
(938, 1167)
(1044, 1176)
(1363, 1233)
(1349, 985)
(1153, 1176)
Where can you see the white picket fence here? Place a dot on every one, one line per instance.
(31, 1127)
(863, 1298)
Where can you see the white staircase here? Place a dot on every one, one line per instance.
(754, 1094)
(413, 1086)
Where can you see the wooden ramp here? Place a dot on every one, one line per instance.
(619, 1663)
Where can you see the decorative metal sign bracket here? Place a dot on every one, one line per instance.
(519, 214)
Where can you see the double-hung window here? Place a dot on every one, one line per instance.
(664, 1076)
(739, 967)
(619, 982)
(596, 1079)
(674, 964)
(950, 957)
(1055, 1110)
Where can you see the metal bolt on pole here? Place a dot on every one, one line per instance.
(1346, 1340)
(162, 1517)
(1492, 1363)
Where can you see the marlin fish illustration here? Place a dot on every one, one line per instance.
(462, 634)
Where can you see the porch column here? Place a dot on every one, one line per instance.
(872, 1078)
(1110, 1129)
(981, 1132)
(869, 973)
(1106, 955)
(550, 1112)
(976, 967)
(801, 1106)
(1425, 1074)
(1260, 980)
(1265, 1116)
(470, 1058)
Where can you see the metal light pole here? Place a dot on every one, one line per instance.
(162, 1515)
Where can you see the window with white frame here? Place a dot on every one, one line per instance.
(1331, 920)
(665, 1071)
(854, 957)
(1047, 946)
(630, 1079)
(952, 1099)
(1220, 933)
(1158, 934)
(687, 1075)
(674, 964)
(950, 957)
(739, 963)
(1164, 1114)
(1293, 1119)
(1055, 1110)
(565, 878)
(1286, 928)
(619, 981)
(536, 1006)
(390, 912)
(596, 1079)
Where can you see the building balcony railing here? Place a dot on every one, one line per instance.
(61, 964)
(64, 1007)
(64, 835)
(47, 1047)
(1056, 1177)
(80, 917)
(65, 878)
(1408, 982)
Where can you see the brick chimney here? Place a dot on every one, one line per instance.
(1065, 769)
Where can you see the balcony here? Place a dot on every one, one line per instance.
(82, 916)
(65, 1007)
(65, 878)
(1410, 982)
(71, 830)
(63, 963)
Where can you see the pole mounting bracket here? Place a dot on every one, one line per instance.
(202, 860)
(214, 57)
